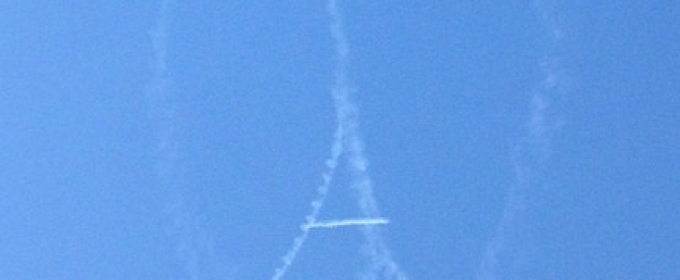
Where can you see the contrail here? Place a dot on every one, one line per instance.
(322, 192)
(529, 160)
(375, 247)
(349, 222)
(346, 140)
(317, 203)
(185, 228)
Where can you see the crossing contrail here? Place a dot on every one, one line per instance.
(349, 222)
(375, 247)
(317, 203)
(337, 150)
(346, 140)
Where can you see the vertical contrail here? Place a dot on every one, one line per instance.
(376, 248)
(346, 140)
(529, 158)
(185, 226)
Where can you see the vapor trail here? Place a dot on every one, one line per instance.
(346, 140)
(185, 228)
(350, 222)
(375, 247)
(317, 203)
(529, 159)
(322, 192)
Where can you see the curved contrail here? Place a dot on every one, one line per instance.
(529, 158)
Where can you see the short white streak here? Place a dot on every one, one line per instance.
(349, 222)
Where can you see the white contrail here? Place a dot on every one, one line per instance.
(349, 222)
(375, 247)
(529, 161)
(185, 228)
(346, 135)
(310, 219)
(322, 191)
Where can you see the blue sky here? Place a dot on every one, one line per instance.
(505, 140)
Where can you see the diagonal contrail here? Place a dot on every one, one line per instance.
(191, 241)
(322, 191)
(317, 203)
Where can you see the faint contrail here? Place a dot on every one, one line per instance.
(529, 160)
(349, 222)
(375, 247)
(191, 240)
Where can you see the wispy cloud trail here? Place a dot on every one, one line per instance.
(350, 222)
(185, 227)
(529, 160)
(382, 263)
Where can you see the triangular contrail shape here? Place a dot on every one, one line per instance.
(346, 140)
(376, 248)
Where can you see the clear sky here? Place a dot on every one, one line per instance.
(187, 140)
